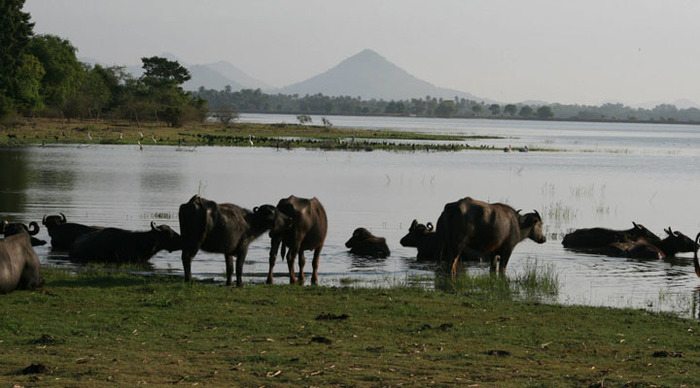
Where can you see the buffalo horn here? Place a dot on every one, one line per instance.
(255, 209)
(43, 220)
(153, 225)
(63, 217)
(429, 225)
(537, 214)
(33, 228)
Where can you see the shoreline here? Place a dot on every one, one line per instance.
(280, 136)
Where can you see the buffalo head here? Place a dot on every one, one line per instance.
(416, 232)
(53, 220)
(360, 234)
(268, 217)
(678, 242)
(639, 232)
(168, 239)
(531, 223)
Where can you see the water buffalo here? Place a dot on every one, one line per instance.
(12, 228)
(696, 262)
(675, 242)
(306, 231)
(223, 228)
(423, 238)
(19, 264)
(364, 243)
(602, 237)
(125, 246)
(492, 230)
(63, 234)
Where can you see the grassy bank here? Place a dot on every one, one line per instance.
(44, 131)
(97, 329)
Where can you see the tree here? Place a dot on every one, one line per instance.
(525, 111)
(28, 84)
(63, 71)
(495, 109)
(226, 114)
(476, 108)
(304, 119)
(544, 112)
(446, 108)
(510, 109)
(160, 71)
(15, 32)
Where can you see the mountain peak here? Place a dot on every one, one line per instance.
(368, 74)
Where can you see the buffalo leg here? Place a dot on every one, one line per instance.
(240, 260)
(314, 265)
(302, 263)
(273, 258)
(454, 267)
(291, 255)
(505, 256)
(187, 255)
(229, 268)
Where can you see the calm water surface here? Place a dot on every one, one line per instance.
(385, 191)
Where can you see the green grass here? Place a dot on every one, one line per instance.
(285, 136)
(102, 328)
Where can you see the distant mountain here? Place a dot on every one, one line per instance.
(232, 72)
(682, 103)
(203, 75)
(369, 75)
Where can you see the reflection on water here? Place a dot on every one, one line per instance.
(383, 191)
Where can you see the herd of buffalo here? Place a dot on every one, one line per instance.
(467, 229)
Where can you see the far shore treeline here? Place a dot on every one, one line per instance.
(40, 76)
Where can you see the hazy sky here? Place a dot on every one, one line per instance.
(571, 51)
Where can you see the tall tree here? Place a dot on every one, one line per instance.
(15, 32)
(160, 71)
(510, 109)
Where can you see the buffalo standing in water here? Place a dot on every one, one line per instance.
(696, 262)
(223, 228)
(491, 230)
(306, 230)
(125, 246)
(63, 234)
(19, 264)
(364, 243)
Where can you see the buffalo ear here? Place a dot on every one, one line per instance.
(429, 225)
(153, 225)
(256, 209)
(636, 226)
(413, 225)
(63, 217)
(668, 231)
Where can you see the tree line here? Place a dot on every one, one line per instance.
(255, 101)
(40, 75)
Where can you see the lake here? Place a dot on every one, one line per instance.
(607, 175)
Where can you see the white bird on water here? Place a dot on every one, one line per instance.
(140, 145)
(250, 139)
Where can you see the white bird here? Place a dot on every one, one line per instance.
(250, 139)
(154, 139)
(121, 136)
(141, 134)
(89, 136)
(140, 146)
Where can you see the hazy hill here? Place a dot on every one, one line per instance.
(369, 75)
(203, 75)
(232, 72)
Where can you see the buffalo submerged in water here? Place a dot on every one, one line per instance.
(125, 246)
(63, 233)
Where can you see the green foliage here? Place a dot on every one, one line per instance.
(495, 109)
(63, 72)
(161, 72)
(544, 112)
(525, 111)
(15, 32)
(28, 87)
(510, 109)
(446, 108)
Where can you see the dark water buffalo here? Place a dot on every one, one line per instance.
(125, 246)
(222, 228)
(602, 237)
(492, 230)
(63, 234)
(696, 262)
(423, 238)
(19, 264)
(675, 242)
(307, 229)
(12, 228)
(364, 243)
